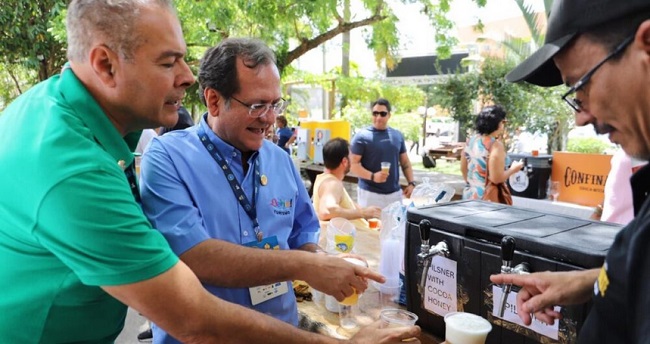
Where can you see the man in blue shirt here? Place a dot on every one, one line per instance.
(370, 147)
(217, 187)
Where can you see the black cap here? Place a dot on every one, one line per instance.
(567, 19)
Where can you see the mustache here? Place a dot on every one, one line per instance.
(602, 128)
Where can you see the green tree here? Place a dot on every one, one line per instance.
(361, 92)
(589, 145)
(457, 94)
(291, 27)
(26, 38)
(294, 27)
(537, 109)
(550, 114)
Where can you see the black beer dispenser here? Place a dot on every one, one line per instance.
(453, 248)
(531, 181)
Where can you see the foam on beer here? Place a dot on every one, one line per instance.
(466, 328)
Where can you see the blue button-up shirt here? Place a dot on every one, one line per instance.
(186, 196)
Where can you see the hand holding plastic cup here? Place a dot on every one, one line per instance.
(466, 328)
(346, 311)
(394, 317)
(385, 167)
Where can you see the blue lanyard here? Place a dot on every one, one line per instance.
(237, 190)
(129, 172)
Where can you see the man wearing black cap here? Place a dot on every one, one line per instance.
(601, 50)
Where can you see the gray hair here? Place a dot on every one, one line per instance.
(218, 67)
(113, 20)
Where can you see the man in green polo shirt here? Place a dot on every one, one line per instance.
(75, 248)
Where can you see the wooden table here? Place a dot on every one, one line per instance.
(366, 245)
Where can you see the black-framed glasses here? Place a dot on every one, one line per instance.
(259, 110)
(380, 113)
(574, 102)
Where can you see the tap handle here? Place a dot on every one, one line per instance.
(425, 230)
(507, 248)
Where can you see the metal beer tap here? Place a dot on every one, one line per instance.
(507, 254)
(427, 252)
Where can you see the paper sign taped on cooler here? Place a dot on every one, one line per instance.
(510, 314)
(440, 289)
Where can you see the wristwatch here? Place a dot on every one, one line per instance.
(372, 176)
(411, 183)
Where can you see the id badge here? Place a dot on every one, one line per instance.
(267, 292)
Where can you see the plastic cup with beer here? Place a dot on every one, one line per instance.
(394, 317)
(385, 167)
(347, 306)
(466, 328)
(373, 223)
(340, 236)
(137, 157)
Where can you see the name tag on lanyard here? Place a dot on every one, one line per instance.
(267, 292)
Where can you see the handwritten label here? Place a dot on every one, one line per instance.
(511, 315)
(440, 289)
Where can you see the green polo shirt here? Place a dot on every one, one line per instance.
(68, 220)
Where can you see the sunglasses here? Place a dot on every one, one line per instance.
(380, 113)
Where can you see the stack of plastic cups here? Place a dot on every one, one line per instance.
(390, 260)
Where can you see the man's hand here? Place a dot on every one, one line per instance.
(371, 212)
(334, 276)
(380, 177)
(542, 290)
(408, 190)
(377, 333)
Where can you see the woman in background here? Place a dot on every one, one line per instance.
(285, 135)
(485, 150)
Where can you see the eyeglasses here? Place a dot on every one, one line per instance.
(575, 103)
(259, 110)
(380, 113)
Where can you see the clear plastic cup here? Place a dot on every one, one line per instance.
(393, 317)
(385, 167)
(388, 293)
(466, 328)
(340, 235)
(347, 307)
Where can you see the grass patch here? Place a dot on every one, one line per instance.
(442, 166)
